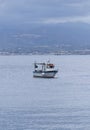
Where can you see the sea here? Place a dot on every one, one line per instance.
(60, 103)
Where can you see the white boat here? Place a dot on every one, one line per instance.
(44, 70)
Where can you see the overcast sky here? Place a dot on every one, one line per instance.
(44, 11)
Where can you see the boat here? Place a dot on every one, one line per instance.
(44, 70)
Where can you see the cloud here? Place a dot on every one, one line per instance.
(82, 19)
(44, 11)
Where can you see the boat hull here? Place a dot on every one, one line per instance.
(45, 74)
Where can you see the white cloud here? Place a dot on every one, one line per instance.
(52, 11)
(83, 19)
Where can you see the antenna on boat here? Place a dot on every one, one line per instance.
(48, 61)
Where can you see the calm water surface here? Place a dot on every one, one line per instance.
(28, 103)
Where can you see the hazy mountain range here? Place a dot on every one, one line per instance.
(45, 26)
(44, 38)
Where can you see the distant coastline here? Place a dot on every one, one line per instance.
(63, 52)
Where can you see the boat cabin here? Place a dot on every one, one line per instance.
(43, 66)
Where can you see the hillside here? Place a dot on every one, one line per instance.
(48, 38)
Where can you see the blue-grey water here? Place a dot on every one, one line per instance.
(28, 103)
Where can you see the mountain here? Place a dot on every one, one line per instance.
(45, 38)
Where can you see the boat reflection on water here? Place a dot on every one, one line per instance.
(44, 70)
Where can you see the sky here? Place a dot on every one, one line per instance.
(44, 11)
